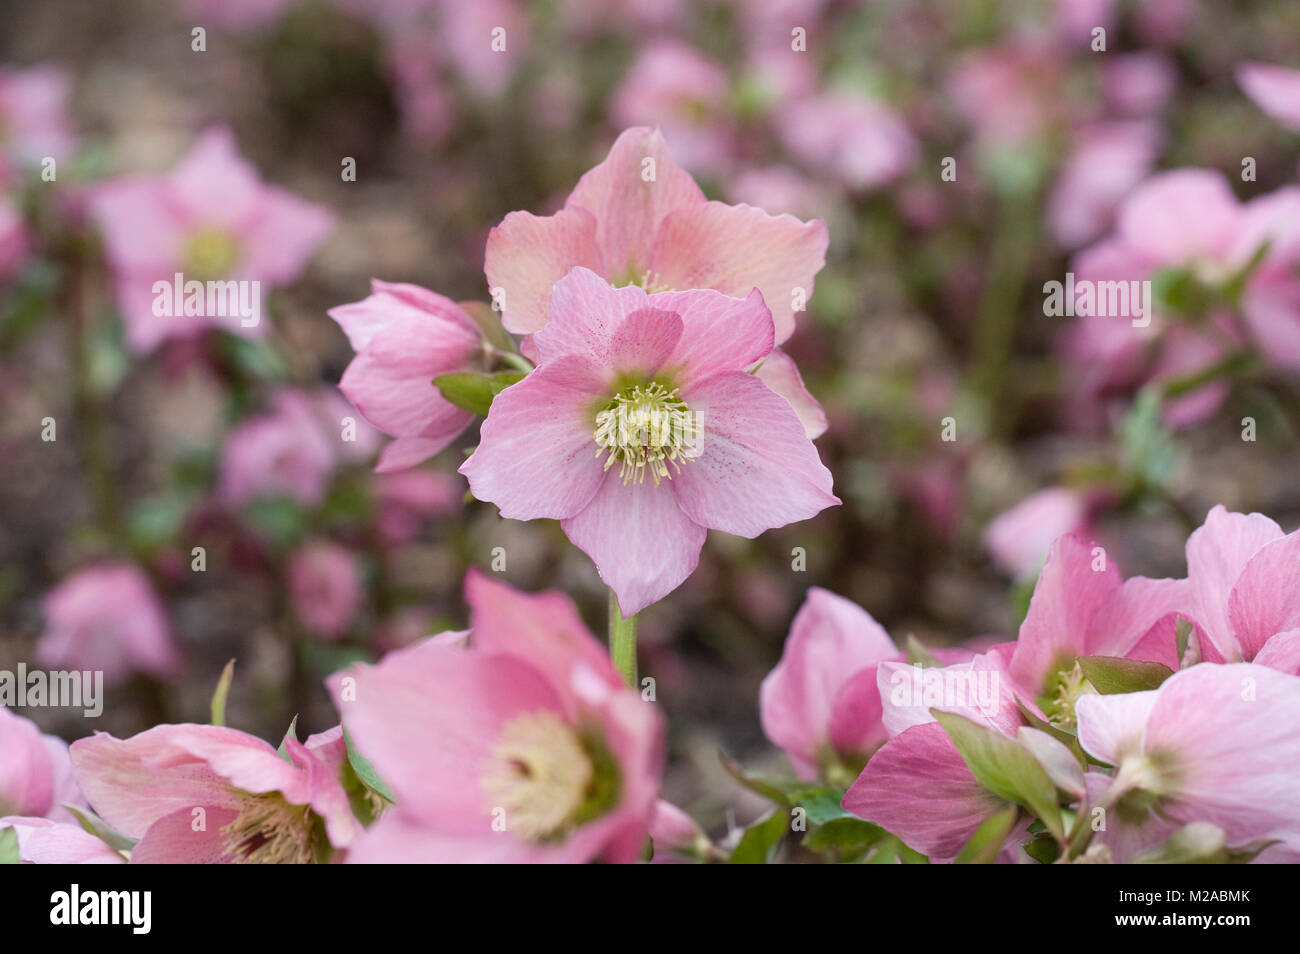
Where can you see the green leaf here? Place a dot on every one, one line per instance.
(222, 692)
(366, 772)
(9, 847)
(849, 838)
(283, 750)
(918, 654)
(989, 837)
(760, 841)
(1005, 768)
(474, 391)
(1111, 675)
(821, 803)
(101, 829)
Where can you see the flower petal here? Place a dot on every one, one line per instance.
(527, 254)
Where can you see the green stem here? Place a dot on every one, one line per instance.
(516, 361)
(622, 642)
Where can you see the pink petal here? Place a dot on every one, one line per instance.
(1179, 216)
(643, 342)
(737, 248)
(1217, 553)
(1266, 599)
(1275, 89)
(1068, 593)
(719, 333)
(1281, 652)
(627, 208)
(919, 788)
(45, 842)
(586, 311)
(1113, 726)
(285, 234)
(404, 452)
(781, 374)
(856, 728)
(526, 255)
(537, 454)
(1131, 611)
(641, 540)
(214, 184)
(756, 468)
(172, 840)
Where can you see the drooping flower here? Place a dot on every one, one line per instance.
(1213, 744)
(211, 219)
(637, 218)
(524, 747)
(324, 587)
(283, 451)
(404, 337)
(107, 617)
(208, 794)
(35, 773)
(640, 429)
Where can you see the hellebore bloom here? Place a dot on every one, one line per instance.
(35, 772)
(639, 219)
(524, 747)
(1018, 539)
(325, 587)
(404, 337)
(1214, 744)
(211, 220)
(1275, 89)
(284, 451)
(201, 794)
(640, 428)
(918, 786)
(820, 704)
(33, 118)
(45, 842)
(107, 617)
(856, 140)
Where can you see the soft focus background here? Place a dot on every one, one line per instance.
(930, 307)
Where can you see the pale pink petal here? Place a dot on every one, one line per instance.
(1130, 612)
(1266, 598)
(1113, 726)
(917, 786)
(537, 451)
(642, 542)
(781, 374)
(45, 842)
(1281, 652)
(1275, 89)
(1217, 553)
(719, 333)
(586, 311)
(286, 232)
(406, 452)
(737, 248)
(527, 254)
(756, 469)
(142, 233)
(214, 184)
(1179, 216)
(644, 341)
(173, 840)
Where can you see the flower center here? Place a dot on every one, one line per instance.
(210, 253)
(642, 278)
(541, 775)
(647, 429)
(270, 831)
(1070, 686)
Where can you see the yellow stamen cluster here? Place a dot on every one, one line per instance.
(647, 429)
(210, 254)
(270, 831)
(540, 775)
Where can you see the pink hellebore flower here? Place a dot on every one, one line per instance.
(33, 118)
(207, 794)
(404, 337)
(1018, 539)
(1214, 744)
(107, 617)
(637, 218)
(1108, 160)
(45, 842)
(35, 773)
(405, 500)
(211, 219)
(525, 747)
(918, 786)
(1275, 89)
(656, 385)
(325, 587)
(856, 140)
(820, 704)
(283, 451)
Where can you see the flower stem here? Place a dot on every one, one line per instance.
(622, 642)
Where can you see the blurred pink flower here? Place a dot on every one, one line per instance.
(820, 704)
(283, 451)
(35, 772)
(1213, 744)
(469, 31)
(404, 337)
(196, 794)
(656, 384)
(525, 747)
(853, 139)
(1019, 539)
(677, 88)
(637, 218)
(778, 188)
(676, 836)
(13, 241)
(33, 119)
(1009, 92)
(107, 617)
(45, 842)
(236, 14)
(405, 500)
(424, 98)
(1275, 89)
(211, 218)
(1138, 84)
(324, 587)
(1108, 160)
